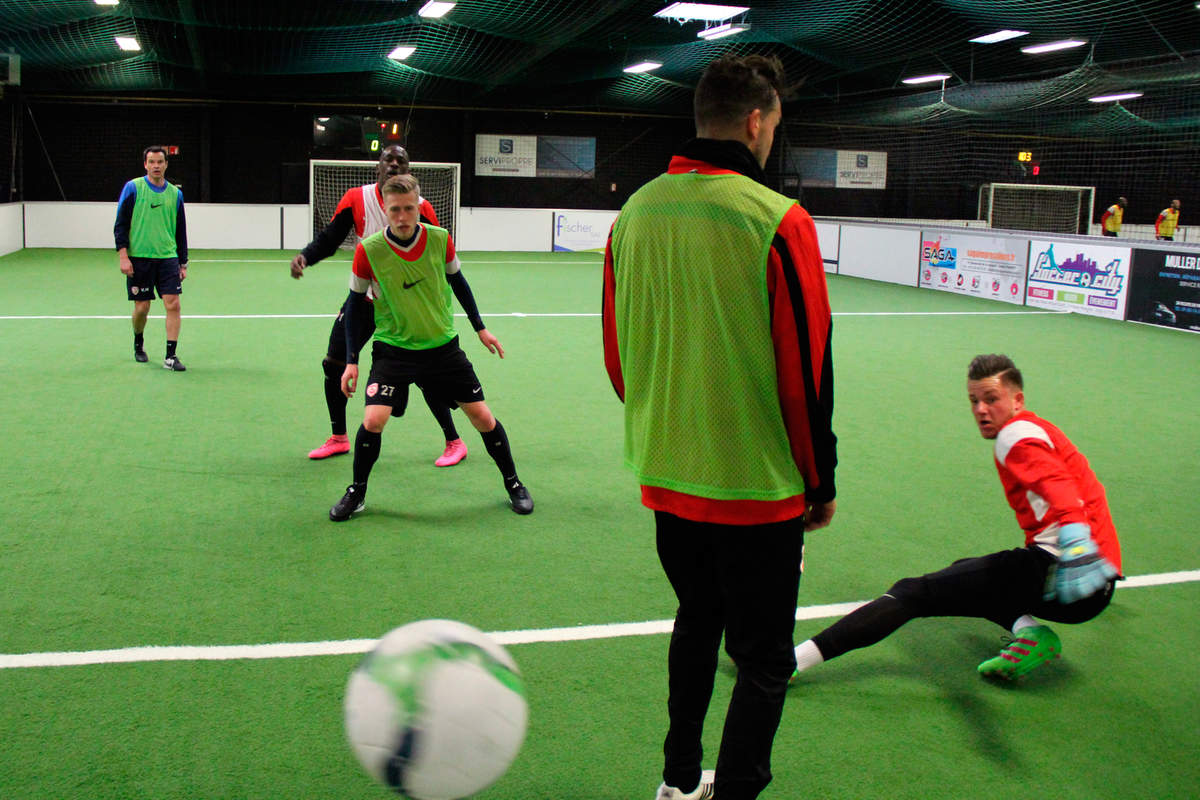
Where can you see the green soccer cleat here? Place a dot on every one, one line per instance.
(1031, 648)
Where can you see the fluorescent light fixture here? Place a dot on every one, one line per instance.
(126, 43)
(1066, 44)
(721, 31)
(927, 78)
(701, 11)
(435, 9)
(998, 36)
(107, 2)
(322, 119)
(645, 66)
(1109, 98)
(402, 52)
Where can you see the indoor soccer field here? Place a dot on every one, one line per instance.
(154, 519)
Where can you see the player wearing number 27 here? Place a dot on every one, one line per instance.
(411, 269)
(1065, 572)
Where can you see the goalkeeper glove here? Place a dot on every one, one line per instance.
(1081, 570)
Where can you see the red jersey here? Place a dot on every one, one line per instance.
(369, 217)
(1048, 483)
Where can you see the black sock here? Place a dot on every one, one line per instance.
(441, 412)
(138, 342)
(336, 401)
(171, 348)
(496, 442)
(366, 452)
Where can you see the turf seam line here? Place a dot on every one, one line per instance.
(355, 646)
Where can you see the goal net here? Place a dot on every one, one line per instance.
(329, 180)
(1033, 207)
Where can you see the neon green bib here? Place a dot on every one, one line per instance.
(152, 227)
(412, 309)
(702, 412)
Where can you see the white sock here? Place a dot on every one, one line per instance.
(807, 655)
(1025, 621)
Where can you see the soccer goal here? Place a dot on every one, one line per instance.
(328, 180)
(1033, 207)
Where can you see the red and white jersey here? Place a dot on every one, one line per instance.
(366, 205)
(1049, 484)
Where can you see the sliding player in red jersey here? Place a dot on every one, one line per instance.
(1065, 572)
(361, 209)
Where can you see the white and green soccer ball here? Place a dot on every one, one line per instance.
(436, 711)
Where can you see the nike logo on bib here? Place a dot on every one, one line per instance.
(408, 285)
(155, 205)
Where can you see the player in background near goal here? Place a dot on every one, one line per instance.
(152, 252)
(411, 269)
(1110, 220)
(361, 210)
(1065, 572)
(1168, 219)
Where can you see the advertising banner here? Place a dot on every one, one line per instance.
(1164, 289)
(576, 231)
(1079, 277)
(857, 169)
(505, 156)
(992, 267)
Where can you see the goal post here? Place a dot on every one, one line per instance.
(329, 179)
(1037, 207)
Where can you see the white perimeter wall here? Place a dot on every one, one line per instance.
(12, 228)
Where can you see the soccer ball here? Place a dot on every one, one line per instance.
(436, 711)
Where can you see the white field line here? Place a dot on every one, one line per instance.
(518, 314)
(128, 655)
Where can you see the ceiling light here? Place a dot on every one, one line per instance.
(1052, 46)
(645, 66)
(402, 52)
(998, 36)
(435, 9)
(1108, 98)
(322, 119)
(107, 2)
(701, 11)
(721, 31)
(926, 78)
(126, 43)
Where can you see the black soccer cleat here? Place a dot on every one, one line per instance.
(174, 364)
(140, 356)
(519, 497)
(350, 504)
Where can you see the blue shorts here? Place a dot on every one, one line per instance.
(150, 274)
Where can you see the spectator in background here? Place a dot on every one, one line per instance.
(1168, 219)
(1110, 222)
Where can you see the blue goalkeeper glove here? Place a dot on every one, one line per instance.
(1081, 570)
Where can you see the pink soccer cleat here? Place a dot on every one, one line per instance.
(455, 452)
(334, 446)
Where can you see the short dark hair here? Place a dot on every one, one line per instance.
(731, 87)
(995, 364)
(401, 184)
(154, 148)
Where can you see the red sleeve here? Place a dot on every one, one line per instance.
(428, 214)
(361, 266)
(801, 327)
(1157, 222)
(1038, 468)
(449, 249)
(1104, 217)
(612, 356)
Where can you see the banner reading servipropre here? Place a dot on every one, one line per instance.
(860, 169)
(505, 156)
(1164, 289)
(1073, 276)
(979, 266)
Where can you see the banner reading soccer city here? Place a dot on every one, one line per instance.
(1164, 289)
(1073, 276)
(980, 266)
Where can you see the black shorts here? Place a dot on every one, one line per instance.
(150, 274)
(445, 373)
(364, 327)
(1000, 587)
(1109, 233)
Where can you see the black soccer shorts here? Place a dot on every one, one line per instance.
(444, 371)
(150, 274)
